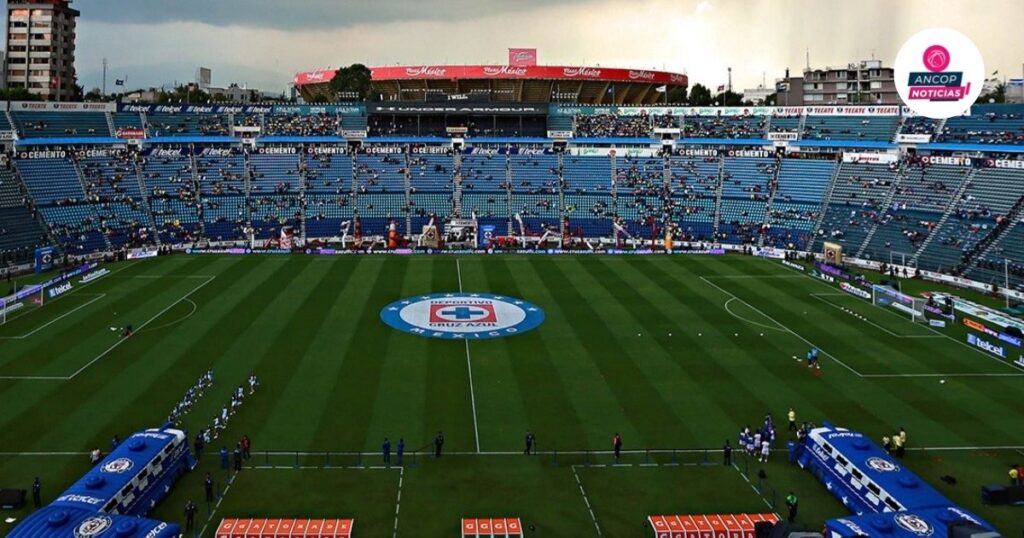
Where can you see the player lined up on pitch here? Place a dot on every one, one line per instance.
(196, 391)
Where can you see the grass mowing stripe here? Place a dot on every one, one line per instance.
(712, 359)
(357, 383)
(523, 365)
(653, 353)
(895, 399)
(614, 357)
(446, 401)
(126, 382)
(404, 366)
(311, 372)
(67, 346)
(449, 402)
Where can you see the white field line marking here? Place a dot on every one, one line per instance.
(750, 276)
(469, 369)
(220, 499)
(143, 326)
(587, 501)
(715, 451)
(73, 291)
(114, 346)
(753, 487)
(179, 320)
(398, 501)
(741, 318)
(97, 297)
(790, 331)
(964, 344)
(472, 397)
(819, 296)
(162, 276)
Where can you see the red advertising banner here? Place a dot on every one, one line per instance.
(450, 72)
(522, 57)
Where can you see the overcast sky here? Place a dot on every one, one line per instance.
(264, 42)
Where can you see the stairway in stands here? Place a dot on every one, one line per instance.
(825, 201)
(953, 202)
(1013, 218)
(773, 187)
(95, 214)
(886, 204)
(718, 196)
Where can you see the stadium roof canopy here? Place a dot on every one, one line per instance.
(529, 84)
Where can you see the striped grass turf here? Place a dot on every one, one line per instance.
(671, 352)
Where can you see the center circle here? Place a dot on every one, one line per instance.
(469, 316)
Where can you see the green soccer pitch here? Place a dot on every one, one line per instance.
(675, 353)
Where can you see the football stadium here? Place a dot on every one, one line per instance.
(512, 300)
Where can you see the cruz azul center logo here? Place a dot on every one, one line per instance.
(939, 73)
(469, 316)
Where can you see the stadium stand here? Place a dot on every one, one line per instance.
(694, 189)
(58, 193)
(725, 127)
(112, 187)
(60, 124)
(588, 194)
(876, 128)
(955, 217)
(19, 224)
(185, 123)
(859, 195)
(797, 201)
(986, 125)
(534, 191)
(274, 191)
(922, 197)
(223, 194)
(329, 197)
(745, 189)
(170, 183)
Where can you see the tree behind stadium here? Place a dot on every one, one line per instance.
(351, 83)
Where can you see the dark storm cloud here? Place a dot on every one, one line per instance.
(307, 14)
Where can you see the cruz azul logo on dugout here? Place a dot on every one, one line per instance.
(473, 316)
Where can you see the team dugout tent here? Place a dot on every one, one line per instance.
(709, 526)
(65, 522)
(504, 527)
(285, 528)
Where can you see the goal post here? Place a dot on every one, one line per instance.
(889, 297)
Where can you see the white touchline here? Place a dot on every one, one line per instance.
(398, 500)
(819, 296)
(469, 369)
(97, 297)
(790, 331)
(964, 344)
(587, 501)
(472, 397)
(114, 346)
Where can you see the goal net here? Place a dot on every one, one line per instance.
(889, 297)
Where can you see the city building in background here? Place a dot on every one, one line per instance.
(41, 48)
(864, 83)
